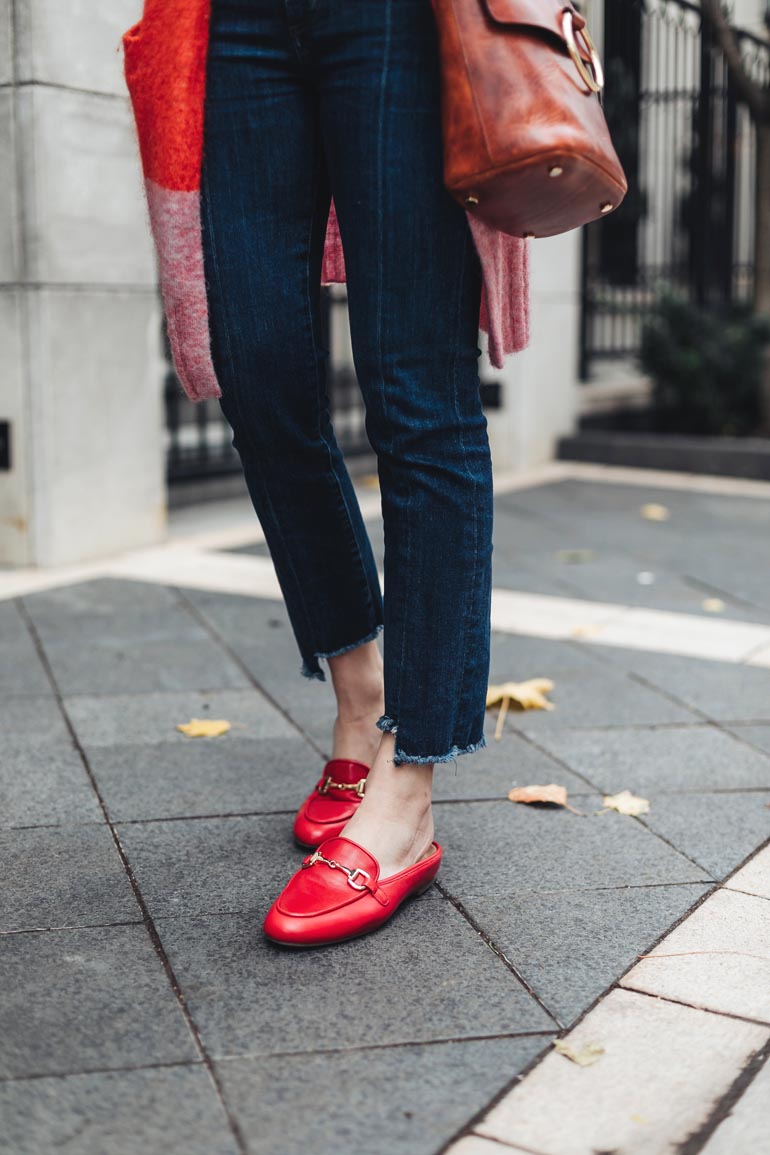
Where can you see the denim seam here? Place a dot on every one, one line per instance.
(333, 471)
(244, 424)
(455, 361)
(380, 296)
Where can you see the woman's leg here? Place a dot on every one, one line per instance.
(414, 284)
(265, 206)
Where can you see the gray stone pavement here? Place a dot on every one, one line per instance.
(142, 1012)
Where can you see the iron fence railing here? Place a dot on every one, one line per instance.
(688, 149)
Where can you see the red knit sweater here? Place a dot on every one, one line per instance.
(165, 66)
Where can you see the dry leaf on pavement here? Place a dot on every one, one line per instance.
(553, 793)
(626, 803)
(652, 511)
(584, 1056)
(204, 727)
(527, 695)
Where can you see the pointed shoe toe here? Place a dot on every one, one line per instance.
(337, 894)
(332, 803)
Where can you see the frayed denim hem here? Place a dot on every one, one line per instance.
(389, 725)
(309, 671)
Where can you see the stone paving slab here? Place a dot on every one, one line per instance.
(478, 1145)
(258, 631)
(156, 657)
(44, 787)
(599, 700)
(758, 736)
(21, 670)
(406, 1100)
(717, 959)
(717, 830)
(494, 770)
(179, 780)
(605, 576)
(209, 866)
(754, 877)
(456, 989)
(80, 1000)
(631, 1100)
(32, 723)
(721, 691)
(571, 946)
(667, 759)
(483, 844)
(745, 1128)
(100, 599)
(174, 1110)
(63, 876)
(134, 719)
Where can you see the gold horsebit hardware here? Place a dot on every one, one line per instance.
(329, 784)
(316, 856)
(594, 80)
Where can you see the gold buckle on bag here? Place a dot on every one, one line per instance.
(595, 79)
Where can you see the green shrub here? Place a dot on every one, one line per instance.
(706, 367)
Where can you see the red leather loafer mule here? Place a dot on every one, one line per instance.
(333, 802)
(337, 894)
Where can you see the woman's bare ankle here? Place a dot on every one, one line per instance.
(395, 819)
(358, 686)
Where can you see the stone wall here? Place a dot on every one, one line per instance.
(80, 365)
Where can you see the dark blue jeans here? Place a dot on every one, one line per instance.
(308, 99)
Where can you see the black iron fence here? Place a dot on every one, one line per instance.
(688, 149)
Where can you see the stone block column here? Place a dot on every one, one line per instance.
(80, 352)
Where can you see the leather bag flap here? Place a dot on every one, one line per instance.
(545, 15)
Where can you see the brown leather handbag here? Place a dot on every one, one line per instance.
(526, 144)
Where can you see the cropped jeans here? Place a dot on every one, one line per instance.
(306, 99)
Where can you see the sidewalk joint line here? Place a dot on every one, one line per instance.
(449, 1040)
(70, 926)
(696, 1007)
(146, 916)
(724, 1106)
(461, 910)
(217, 637)
(35, 1076)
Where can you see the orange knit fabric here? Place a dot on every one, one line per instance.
(165, 66)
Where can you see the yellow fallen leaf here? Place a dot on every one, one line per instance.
(626, 803)
(204, 727)
(528, 695)
(553, 793)
(654, 512)
(639, 1119)
(587, 1054)
(550, 793)
(713, 605)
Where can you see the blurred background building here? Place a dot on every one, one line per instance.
(96, 437)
